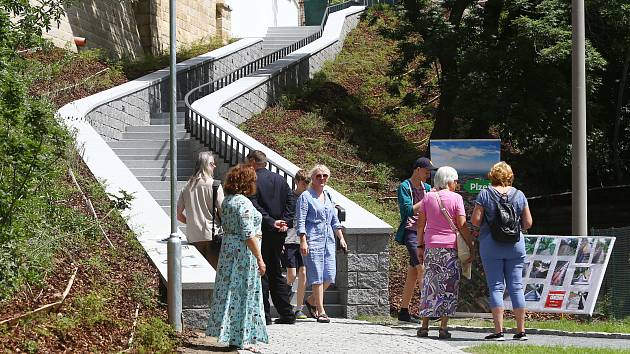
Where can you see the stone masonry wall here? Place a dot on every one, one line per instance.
(362, 274)
(134, 28)
(136, 108)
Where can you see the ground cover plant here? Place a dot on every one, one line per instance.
(53, 250)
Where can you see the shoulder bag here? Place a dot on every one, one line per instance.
(463, 251)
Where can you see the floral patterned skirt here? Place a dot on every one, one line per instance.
(440, 289)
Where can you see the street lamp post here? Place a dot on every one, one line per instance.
(174, 245)
(578, 122)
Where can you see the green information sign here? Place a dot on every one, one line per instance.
(476, 185)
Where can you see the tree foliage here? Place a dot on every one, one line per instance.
(504, 70)
(22, 22)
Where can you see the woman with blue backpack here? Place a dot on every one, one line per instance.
(501, 213)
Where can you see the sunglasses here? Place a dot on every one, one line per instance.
(320, 175)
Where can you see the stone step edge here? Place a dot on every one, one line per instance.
(543, 331)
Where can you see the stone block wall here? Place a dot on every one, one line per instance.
(363, 275)
(134, 28)
(137, 107)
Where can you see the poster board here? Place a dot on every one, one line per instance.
(472, 158)
(563, 274)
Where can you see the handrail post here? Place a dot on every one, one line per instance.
(174, 246)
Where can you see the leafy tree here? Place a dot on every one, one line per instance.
(504, 70)
(23, 22)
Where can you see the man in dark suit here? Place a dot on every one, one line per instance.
(275, 201)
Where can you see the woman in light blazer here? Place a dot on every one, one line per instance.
(317, 224)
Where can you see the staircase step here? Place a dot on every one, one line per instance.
(163, 194)
(164, 121)
(181, 163)
(165, 156)
(332, 310)
(148, 135)
(293, 29)
(161, 186)
(148, 144)
(154, 128)
(143, 179)
(145, 172)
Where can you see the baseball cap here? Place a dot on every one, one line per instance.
(423, 162)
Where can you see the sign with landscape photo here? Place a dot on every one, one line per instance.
(472, 159)
(564, 273)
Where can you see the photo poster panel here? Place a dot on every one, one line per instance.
(472, 158)
(563, 274)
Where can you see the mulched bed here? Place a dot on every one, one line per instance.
(109, 335)
(41, 332)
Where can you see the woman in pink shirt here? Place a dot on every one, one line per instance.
(437, 247)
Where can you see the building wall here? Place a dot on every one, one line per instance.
(252, 18)
(131, 29)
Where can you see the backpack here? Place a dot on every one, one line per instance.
(506, 226)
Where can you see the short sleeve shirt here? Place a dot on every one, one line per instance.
(438, 232)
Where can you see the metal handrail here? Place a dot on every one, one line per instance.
(229, 147)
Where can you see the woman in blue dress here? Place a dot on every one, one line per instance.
(236, 314)
(316, 218)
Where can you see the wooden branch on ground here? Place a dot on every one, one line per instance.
(387, 198)
(45, 308)
(133, 327)
(345, 163)
(434, 99)
(67, 291)
(90, 206)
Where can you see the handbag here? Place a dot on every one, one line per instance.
(463, 251)
(217, 233)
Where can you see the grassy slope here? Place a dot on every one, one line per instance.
(347, 119)
(99, 312)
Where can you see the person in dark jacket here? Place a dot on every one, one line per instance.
(275, 201)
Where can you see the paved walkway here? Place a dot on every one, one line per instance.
(350, 336)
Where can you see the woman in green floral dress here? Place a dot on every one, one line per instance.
(236, 314)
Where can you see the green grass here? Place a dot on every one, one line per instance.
(155, 336)
(611, 326)
(526, 349)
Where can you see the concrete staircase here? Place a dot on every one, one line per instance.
(280, 37)
(145, 151)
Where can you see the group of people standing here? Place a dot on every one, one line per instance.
(431, 219)
(264, 224)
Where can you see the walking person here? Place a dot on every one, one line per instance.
(274, 200)
(441, 217)
(236, 313)
(196, 200)
(502, 261)
(410, 193)
(292, 258)
(317, 225)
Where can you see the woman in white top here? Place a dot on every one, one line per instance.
(194, 208)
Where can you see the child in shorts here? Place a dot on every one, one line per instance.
(291, 256)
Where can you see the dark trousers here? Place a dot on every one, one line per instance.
(273, 282)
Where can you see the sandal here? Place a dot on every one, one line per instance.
(422, 332)
(312, 310)
(444, 334)
(323, 318)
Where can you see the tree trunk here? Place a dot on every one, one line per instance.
(617, 126)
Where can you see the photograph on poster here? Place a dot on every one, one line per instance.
(559, 272)
(581, 276)
(533, 292)
(577, 300)
(546, 246)
(584, 251)
(525, 268)
(530, 242)
(540, 269)
(601, 249)
(568, 246)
